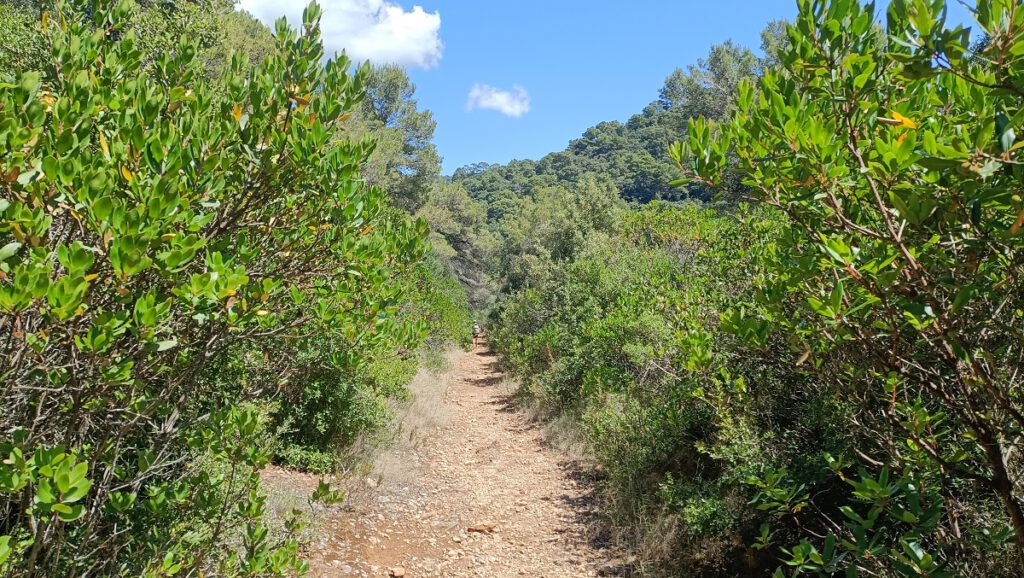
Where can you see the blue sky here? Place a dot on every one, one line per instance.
(539, 72)
(580, 62)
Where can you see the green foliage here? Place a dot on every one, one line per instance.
(338, 391)
(160, 26)
(164, 237)
(406, 163)
(459, 235)
(22, 48)
(213, 27)
(440, 302)
(307, 459)
(552, 225)
(895, 159)
(625, 336)
(709, 88)
(238, 32)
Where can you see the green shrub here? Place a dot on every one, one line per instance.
(895, 158)
(339, 391)
(22, 48)
(152, 226)
(309, 460)
(627, 339)
(440, 302)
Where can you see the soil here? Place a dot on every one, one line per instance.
(472, 489)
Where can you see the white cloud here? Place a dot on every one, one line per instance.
(515, 102)
(377, 30)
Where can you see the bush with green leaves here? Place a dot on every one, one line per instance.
(151, 226)
(626, 340)
(22, 48)
(895, 157)
(438, 301)
(338, 392)
(215, 27)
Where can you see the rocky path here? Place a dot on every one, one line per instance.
(473, 490)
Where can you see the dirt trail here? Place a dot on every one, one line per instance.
(473, 491)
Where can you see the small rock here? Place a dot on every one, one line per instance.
(398, 572)
(482, 528)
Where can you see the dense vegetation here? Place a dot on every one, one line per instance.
(819, 373)
(791, 340)
(195, 278)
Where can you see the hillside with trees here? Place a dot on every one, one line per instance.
(632, 154)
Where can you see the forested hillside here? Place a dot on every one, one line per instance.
(632, 154)
(780, 307)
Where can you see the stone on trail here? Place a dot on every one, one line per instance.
(398, 572)
(482, 528)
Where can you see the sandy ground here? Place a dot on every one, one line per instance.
(471, 489)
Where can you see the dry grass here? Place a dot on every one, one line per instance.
(386, 459)
(647, 542)
(413, 422)
(288, 491)
(562, 431)
(565, 435)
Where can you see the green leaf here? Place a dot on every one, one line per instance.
(5, 549)
(77, 492)
(73, 513)
(103, 207)
(963, 296)
(8, 250)
(120, 501)
(51, 168)
(165, 345)
(44, 493)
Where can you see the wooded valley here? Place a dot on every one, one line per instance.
(782, 304)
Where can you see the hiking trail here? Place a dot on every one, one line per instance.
(473, 489)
